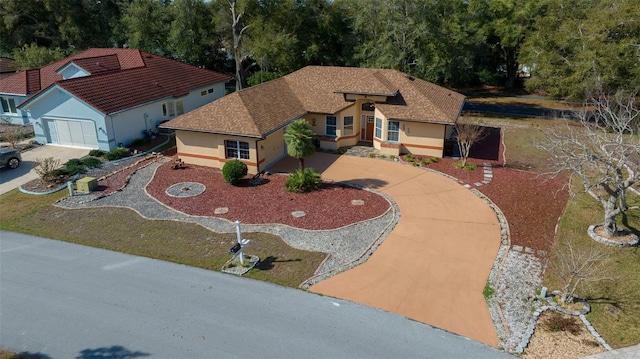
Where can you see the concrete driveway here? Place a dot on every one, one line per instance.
(10, 179)
(433, 266)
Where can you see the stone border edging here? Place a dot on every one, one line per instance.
(75, 178)
(58, 189)
(364, 256)
(536, 315)
(598, 238)
(496, 269)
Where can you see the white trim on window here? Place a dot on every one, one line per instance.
(378, 128)
(331, 124)
(236, 149)
(393, 131)
(348, 125)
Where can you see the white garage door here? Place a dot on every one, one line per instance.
(73, 133)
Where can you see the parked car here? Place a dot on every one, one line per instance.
(10, 158)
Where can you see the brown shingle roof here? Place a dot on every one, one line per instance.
(258, 110)
(255, 113)
(121, 79)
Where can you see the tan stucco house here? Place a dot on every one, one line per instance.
(387, 109)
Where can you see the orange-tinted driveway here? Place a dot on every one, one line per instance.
(435, 263)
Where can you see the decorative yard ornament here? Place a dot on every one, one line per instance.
(238, 247)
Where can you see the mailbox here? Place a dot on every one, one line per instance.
(235, 248)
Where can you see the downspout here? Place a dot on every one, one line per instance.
(257, 157)
(113, 130)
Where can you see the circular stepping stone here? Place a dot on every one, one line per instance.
(298, 214)
(357, 202)
(221, 210)
(185, 189)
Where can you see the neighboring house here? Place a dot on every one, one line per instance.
(6, 68)
(387, 109)
(103, 98)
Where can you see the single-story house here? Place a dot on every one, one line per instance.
(387, 109)
(104, 98)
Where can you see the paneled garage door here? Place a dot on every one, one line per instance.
(74, 133)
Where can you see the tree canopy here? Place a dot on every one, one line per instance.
(573, 48)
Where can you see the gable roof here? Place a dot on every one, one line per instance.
(119, 79)
(256, 111)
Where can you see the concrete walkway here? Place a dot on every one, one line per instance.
(433, 266)
(11, 179)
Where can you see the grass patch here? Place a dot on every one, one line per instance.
(174, 241)
(488, 290)
(9, 355)
(615, 305)
(522, 101)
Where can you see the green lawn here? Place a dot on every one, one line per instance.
(615, 304)
(174, 241)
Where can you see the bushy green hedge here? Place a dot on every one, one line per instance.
(96, 153)
(306, 180)
(117, 154)
(234, 170)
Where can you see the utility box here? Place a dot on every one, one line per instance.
(86, 184)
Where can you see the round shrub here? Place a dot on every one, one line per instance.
(234, 170)
(306, 180)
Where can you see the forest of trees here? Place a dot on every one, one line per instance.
(571, 48)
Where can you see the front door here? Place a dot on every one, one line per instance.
(367, 127)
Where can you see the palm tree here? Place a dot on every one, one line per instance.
(299, 139)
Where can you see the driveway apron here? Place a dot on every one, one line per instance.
(433, 266)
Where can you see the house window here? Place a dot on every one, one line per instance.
(368, 106)
(171, 109)
(393, 132)
(8, 105)
(179, 107)
(332, 122)
(167, 109)
(203, 92)
(237, 149)
(348, 125)
(378, 128)
(210, 90)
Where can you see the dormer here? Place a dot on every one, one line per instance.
(72, 70)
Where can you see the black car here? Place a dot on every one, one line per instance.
(10, 158)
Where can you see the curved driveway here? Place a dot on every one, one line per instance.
(433, 266)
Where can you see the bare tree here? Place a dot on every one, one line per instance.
(601, 152)
(578, 266)
(10, 133)
(467, 134)
(243, 61)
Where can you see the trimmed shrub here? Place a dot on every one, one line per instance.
(92, 162)
(467, 167)
(306, 180)
(234, 170)
(96, 153)
(117, 154)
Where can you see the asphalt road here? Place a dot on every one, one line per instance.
(59, 300)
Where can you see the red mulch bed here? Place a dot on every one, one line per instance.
(269, 202)
(532, 204)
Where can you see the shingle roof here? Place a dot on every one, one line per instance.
(120, 79)
(258, 110)
(5, 65)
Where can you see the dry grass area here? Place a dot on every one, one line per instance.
(561, 344)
